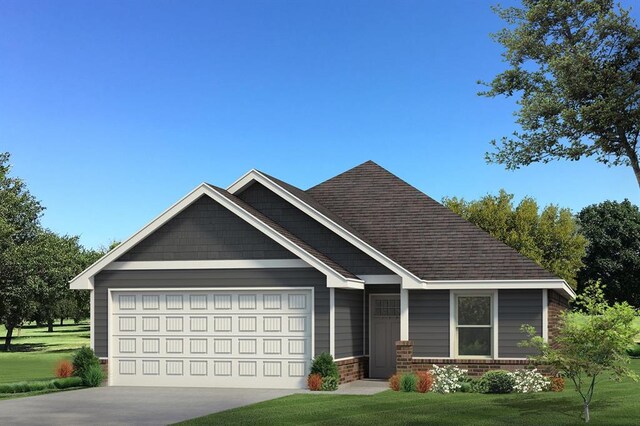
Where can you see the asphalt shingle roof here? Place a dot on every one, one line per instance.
(413, 229)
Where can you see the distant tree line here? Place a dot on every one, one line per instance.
(600, 243)
(36, 264)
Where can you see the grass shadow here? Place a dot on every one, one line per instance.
(567, 407)
(25, 347)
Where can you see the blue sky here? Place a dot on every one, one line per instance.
(114, 110)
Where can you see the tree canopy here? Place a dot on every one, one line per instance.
(574, 66)
(549, 237)
(613, 254)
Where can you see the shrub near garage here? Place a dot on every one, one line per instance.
(324, 365)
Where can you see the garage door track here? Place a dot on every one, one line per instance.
(128, 405)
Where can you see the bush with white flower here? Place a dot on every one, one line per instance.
(447, 379)
(528, 381)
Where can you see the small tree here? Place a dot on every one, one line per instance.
(590, 343)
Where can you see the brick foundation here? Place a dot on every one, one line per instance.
(475, 367)
(404, 356)
(353, 369)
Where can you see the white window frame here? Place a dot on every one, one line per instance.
(453, 326)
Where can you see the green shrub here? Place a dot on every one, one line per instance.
(479, 386)
(83, 360)
(93, 376)
(498, 381)
(408, 382)
(22, 387)
(634, 351)
(324, 365)
(329, 383)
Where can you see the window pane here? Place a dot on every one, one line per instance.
(474, 310)
(474, 341)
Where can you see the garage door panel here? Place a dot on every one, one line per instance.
(213, 338)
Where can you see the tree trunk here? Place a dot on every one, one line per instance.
(61, 322)
(585, 413)
(7, 339)
(50, 326)
(631, 154)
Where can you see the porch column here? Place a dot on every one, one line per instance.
(404, 314)
(404, 356)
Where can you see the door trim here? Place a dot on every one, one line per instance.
(370, 324)
(110, 290)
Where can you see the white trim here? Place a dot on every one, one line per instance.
(545, 314)
(453, 322)
(369, 353)
(332, 322)
(334, 278)
(404, 314)
(500, 285)
(92, 331)
(381, 279)
(347, 358)
(255, 175)
(206, 264)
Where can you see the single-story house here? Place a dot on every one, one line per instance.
(242, 287)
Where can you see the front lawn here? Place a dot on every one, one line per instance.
(613, 404)
(35, 352)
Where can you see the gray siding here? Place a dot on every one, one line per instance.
(349, 311)
(213, 278)
(429, 322)
(517, 307)
(373, 289)
(206, 231)
(312, 232)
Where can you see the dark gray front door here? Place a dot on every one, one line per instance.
(385, 332)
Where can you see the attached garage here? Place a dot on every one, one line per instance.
(211, 337)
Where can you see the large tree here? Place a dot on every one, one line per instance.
(574, 66)
(613, 254)
(549, 237)
(19, 226)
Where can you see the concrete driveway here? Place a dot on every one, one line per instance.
(128, 405)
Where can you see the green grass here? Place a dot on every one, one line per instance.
(35, 352)
(613, 404)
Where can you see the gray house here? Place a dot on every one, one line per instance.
(243, 287)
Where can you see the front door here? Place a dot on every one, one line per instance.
(385, 332)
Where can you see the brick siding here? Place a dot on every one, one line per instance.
(353, 369)
(557, 305)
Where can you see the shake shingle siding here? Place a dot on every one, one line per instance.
(515, 308)
(310, 231)
(429, 322)
(349, 331)
(206, 231)
(239, 278)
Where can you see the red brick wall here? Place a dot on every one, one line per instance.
(404, 356)
(353, 369)
(557, 304)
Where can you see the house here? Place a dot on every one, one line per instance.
(243, 287)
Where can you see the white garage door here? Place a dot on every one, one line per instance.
(254, 338)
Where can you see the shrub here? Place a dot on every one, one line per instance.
(634, 351)
(314, 382)
(329, 383)
(425, 381)
(447, 379)
(557, 384)
(83, 360)
(394, 382)
(408, 382)
(324, 365)
(93, 376)
(64, 369)
(527, 381)
(498, 381)
(22, 387)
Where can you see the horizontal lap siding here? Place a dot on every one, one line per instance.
(429, 322)
(311, 231)
(212, 278)
(206, 231)
(349, 325)
(517, 307)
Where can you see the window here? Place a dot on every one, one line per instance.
(474, 325)
(387, 308)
